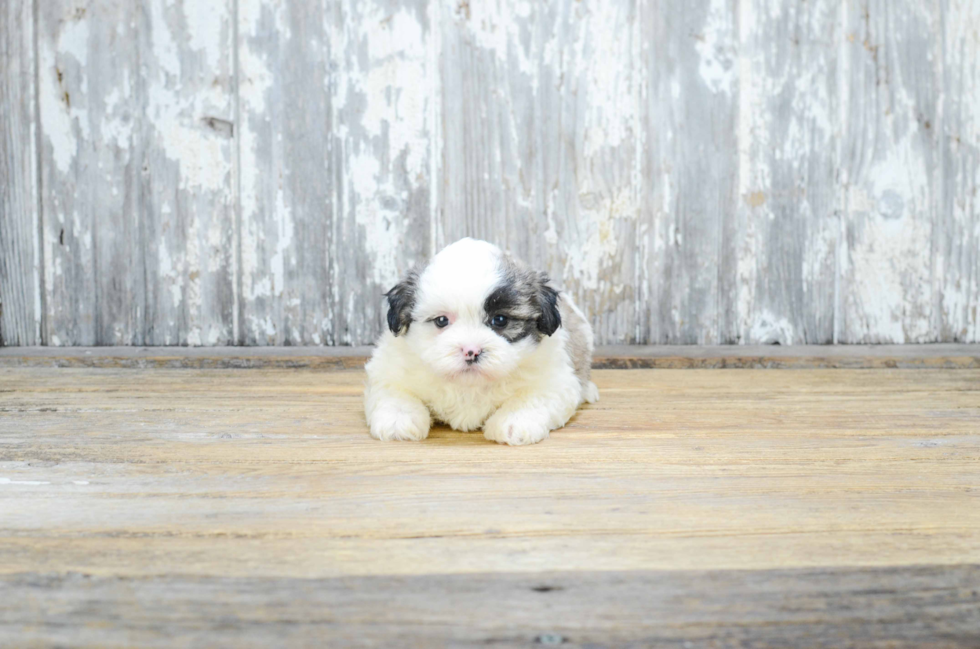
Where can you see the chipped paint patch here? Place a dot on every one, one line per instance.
(175, 110)
(383, 228)
(610, 114)
(204, 21)
(496, 27)
(284, 244)
(588, 262)
(253, 93)
(715, 46)
(768, 328)
(63, 123)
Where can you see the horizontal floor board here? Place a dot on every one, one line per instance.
(934, 606)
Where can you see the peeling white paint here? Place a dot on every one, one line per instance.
(588, 261)
(176, 113)
(284, 243)
(786, 153)
(382, 227)
(63, 122)
(495, 27)
(769, 328)
(610, 113)
(205, 21)
(716, 47)
(254, 88)
(117, 124)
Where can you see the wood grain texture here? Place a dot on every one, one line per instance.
(90, 114)
(890, 171)
(688, 171)
(187, 200)
(718, 171)
(20, 298)
(958, 246)
(788, 190)
(288, 171)
(748, 508)
(824, 607)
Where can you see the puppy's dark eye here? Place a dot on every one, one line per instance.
(441, 321)
(499, 321)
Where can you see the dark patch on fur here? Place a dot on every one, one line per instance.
(401, 301)
(507, 300)
(528, 302)
(550, 318)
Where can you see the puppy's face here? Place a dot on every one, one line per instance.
(473, 313)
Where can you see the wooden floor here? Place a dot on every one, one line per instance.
(249, 508)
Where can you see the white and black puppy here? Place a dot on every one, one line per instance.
(478, 340)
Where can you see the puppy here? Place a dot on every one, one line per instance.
(476, 339)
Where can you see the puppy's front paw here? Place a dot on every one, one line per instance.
(404, 422)
(515, 429)
(590, 393)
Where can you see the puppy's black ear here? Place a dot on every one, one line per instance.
(401, 301)
(550, 318)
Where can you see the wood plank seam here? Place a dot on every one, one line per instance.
(939, 356)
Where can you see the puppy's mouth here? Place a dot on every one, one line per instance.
(472, 370)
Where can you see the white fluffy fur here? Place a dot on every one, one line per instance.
(517, 393)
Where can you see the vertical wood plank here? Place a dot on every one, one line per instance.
(384, 94)
(890, 163)
(958, 277)
(788, 199)
(88, 93)
(187, 199)
(288, 171)
(689, 172)
(539, 103)
(20, 298)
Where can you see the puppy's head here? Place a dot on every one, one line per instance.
(474, 312)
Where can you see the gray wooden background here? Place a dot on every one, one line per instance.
(258, 172)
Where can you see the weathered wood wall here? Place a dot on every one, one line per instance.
(258, 172)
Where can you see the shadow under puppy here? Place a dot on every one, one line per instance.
(476, 339)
